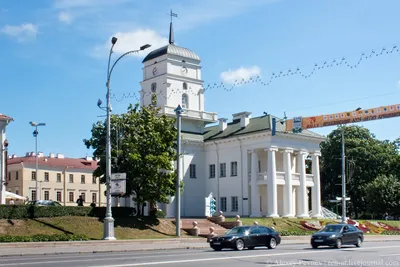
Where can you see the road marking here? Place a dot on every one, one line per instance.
(235, 257)
(388, 255)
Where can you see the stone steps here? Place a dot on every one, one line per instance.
(204, 226)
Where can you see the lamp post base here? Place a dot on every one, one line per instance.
(109, 229)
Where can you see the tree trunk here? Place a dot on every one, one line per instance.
(138, 212)
(143, 209)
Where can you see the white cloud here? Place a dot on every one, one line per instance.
(63, 4)
(128, 41)
(241, 73)
(65, 17)
(21, 33)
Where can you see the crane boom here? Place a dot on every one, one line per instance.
(297, 124)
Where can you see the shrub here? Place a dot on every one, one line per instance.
(160, 214)
(296, 232)
(388, 232)
(28, 211)
(43, 238)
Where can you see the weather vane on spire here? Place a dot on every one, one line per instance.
(171, 30)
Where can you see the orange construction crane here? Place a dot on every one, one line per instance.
(297, 124)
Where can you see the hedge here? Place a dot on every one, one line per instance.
(43, 238)
(28, 211)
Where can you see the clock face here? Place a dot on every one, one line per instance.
(184, 70)
(154, 71)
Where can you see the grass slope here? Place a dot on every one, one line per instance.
(125, 228)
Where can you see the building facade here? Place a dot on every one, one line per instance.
(4, 121)
(59, 179)
(248, 170)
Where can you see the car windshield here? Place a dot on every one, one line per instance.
(236, 230)
(331, 228)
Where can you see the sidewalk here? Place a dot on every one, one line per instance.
(46, 248)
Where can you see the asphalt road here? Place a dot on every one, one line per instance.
(370, 254)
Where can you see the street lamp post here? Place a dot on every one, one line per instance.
(178, 112)
(35, 134)
(108, 220)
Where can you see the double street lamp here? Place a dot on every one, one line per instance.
(3, 171)
(35, 134)
(108, 220)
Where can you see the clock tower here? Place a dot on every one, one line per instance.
(172, 77)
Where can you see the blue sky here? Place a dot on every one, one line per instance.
(54, 56)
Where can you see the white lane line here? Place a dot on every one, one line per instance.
(84, 255)
(235, 257)
(388, 255)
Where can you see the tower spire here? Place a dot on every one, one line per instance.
(171, 30)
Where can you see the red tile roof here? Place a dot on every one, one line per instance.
(74, 163)
(5, 118)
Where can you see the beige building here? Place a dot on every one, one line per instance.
(59, 178)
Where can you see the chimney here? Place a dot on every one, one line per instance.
(88, 158)
(222, 124)
(14, 156)
(40, 154)
(60, 156)
(51, 155)
(244, 118)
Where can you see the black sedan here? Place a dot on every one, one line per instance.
(337, 235)
(249, 237)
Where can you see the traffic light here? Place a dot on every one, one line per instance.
(213, 206)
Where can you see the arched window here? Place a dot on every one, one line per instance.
(185, 101)
(184, 86)
(153, 87)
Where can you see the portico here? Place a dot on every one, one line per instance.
(279, 183)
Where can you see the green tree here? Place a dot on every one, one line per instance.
(370, 158)
(144, 147)
(383, 195)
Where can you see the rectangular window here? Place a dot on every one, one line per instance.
(94, 197)
(58, 196)
(235, 204)
(234, 168)
(259, 166)
(71, 196)
(46, 176)
(71, 178)
(223, 204)
(9, 176)
(94, 180)
(46, 195)
(212, 170)
(222, 170)
(33, 176)
(33, 195)
(83, 196)
(82, 179)
(16, 175)
(17, 192)
(192, 168)
(58, 177)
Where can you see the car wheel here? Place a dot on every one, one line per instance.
(251, 248)
(314, 246)
(338, 243)
(272, 243)
(239, 244)
(359, 242)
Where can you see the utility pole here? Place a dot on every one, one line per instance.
(343, 180)
(178, 112)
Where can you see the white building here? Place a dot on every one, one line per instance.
(249, 171)
(4, 121)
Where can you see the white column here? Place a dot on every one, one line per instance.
(316, 190)
(288, 189)
(255, 193)
(3, 162)
(272, 188)
(303, 207)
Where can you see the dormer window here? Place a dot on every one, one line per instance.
(153, 87)
(185, 101)
(184, 86)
